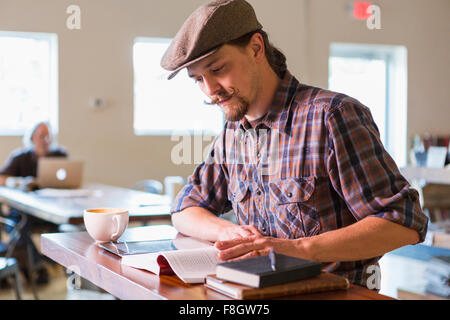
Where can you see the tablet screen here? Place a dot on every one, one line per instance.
(130, 247)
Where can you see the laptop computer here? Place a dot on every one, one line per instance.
(59, 173)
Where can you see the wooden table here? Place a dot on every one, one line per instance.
(78, 252)
(63, 210)
(68, 211)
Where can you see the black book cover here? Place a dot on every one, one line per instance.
(287, 269)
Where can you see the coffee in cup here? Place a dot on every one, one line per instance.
(105, 224)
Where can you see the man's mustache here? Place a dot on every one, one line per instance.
(215, 99)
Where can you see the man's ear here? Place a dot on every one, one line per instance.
(256, 46)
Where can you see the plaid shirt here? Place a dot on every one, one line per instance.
(313, 164)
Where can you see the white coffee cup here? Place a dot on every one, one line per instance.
(105, 224)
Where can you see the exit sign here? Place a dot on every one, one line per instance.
(360, 10)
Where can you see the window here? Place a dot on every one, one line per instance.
(28, 81)
(162, 107)
(376, 75)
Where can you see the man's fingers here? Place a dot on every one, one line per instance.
(242, 249)
(225, 244)
(253, 253)
(245, 233)
(254, 231)
(234, 252)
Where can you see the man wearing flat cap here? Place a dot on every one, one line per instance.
(303, 168)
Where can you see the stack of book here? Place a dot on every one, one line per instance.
(272, 276)
(437, 275)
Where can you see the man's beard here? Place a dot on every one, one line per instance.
(233, 111)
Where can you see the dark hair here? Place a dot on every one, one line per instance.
(276, 59)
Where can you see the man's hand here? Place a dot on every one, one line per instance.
(239, 232)
(241, 248)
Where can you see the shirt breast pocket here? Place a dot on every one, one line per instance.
(239, 196)
(292, 203)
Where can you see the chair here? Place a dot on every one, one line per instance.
(21, 247)
(8, 265)
(10, 268)
(151, 186)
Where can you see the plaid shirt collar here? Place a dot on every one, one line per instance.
(278, 114)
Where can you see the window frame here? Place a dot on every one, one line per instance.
(396, 103)
(173, 131)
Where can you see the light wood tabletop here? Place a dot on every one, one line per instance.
(78, 252)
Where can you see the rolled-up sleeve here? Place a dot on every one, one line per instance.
(363, 172)
(207, 186)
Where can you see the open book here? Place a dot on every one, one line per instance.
(192, 260)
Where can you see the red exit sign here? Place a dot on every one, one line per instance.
(360, 9)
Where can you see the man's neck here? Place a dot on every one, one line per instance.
(269, 87)
(40, 153)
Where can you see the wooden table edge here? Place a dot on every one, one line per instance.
(51, 248)
(69, 258)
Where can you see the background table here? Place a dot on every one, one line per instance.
(78, 252)
(69, 210)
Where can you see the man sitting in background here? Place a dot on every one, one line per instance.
(23, 163)
(20, 170)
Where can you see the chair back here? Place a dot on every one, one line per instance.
(151, 186)
(10, 230)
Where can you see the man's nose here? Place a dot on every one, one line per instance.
(211, 86)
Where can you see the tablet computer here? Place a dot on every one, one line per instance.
(136, 247)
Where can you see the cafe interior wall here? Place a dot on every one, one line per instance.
(97, 61)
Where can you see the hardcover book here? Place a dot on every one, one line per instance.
(323, 282)
(258, 272)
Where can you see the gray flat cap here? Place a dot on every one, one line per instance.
(207, 28)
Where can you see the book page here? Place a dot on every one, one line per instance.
(193, 265)
(183, 243)
(146, 261)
